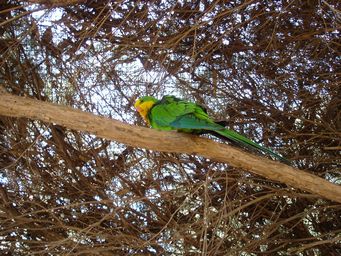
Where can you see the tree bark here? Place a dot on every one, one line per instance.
(135, 136)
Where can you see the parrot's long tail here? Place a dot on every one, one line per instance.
(243, 141)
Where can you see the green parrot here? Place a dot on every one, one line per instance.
(171, 113)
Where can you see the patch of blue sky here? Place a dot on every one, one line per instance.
(296, 21)
(173, 171)
(140, 207)
(88, 169)
(175, 247)
(46, 16)
(3, 177)
(63, 201)
(335, 178)
(113, 187)
(152, 194)
(78, 237)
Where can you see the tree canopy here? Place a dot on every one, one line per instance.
(271, 69)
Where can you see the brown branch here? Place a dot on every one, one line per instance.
(15, 106)
(332, 148)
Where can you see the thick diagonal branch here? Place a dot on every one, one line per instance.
(15, 106)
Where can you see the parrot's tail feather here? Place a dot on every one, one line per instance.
(245, 142)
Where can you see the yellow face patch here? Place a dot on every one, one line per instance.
(143, 108)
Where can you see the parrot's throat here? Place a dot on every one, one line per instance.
(144, 109)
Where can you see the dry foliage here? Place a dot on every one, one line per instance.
(270, 68)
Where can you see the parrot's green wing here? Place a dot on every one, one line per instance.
(170, 109)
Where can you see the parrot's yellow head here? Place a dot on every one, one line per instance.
(143, 106)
